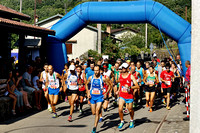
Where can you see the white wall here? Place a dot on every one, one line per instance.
(195, 67)
(86, 40)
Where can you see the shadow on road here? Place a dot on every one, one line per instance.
(47, 126)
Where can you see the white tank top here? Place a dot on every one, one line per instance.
(72, 82)
(108, 73)
(44, 76)
(53, 81)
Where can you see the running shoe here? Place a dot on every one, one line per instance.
(125, 111)
(50, 109)
(150, 110)
(168, 108)
(101, 119)
(105, 110)
(121, 125)
(81, 111)
(163, 100)
(131, 124)
(94, 130)
(55, 115)
(147, 105)
(70, 118)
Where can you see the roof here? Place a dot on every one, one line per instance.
(10, 13)
(50, 18)
(122, 29)
(19, 27)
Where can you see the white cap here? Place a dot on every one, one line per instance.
(120, 67)
(154, 55)
(72, 67)
(125, 65)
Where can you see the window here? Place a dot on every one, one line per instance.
(69, 48)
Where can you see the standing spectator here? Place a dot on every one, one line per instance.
(28, 86)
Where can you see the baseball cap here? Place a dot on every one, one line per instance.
(125, 65)
(72, 67)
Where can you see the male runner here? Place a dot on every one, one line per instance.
(167, 77)
(142, 72)
(81, 86)
(53, 88)
(95, 94)
(126, 93)
(43, 80)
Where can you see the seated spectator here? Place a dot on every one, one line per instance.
(11, 94)
(18, 82)
(18, 94)
(29, 87)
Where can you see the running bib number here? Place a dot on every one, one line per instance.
(73, 83)
(151, 82)
(124, 89)
(168, 82)
(53, 85)
(96, 91)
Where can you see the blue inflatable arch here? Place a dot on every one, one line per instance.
(116, 13)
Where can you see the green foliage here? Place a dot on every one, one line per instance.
(94, 54)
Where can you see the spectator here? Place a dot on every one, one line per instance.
(28, 86)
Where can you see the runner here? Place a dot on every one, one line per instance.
(95, 94)
(81, 83)
(43, 78)
(126, 94)
(167, 77)
(72, 88)
(136, 91)
(53, 88)
(150, 80)
(106, 74)
(141, 71)
(116, 83)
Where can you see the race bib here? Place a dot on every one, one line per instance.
(53, 85)
(151, 82)
(73, 83)
(124, 89)
(168, 82)
(96, 91)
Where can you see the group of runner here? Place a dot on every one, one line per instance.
(124, 82)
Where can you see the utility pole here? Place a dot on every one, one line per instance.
(146, 36)
(186, 13)
(99, 36)
(20, 6)
(35, 13)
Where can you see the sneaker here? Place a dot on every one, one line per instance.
(121, 125)
(134, 105)
(13, 112)
(81, 111)
(163, 100)
(147, 105)
(150, 110)
(125, 111)
(105, 110)
(70, 118)
(131, 124)
(94, 130)
(50, 109)
(168, 108)
(55, 115)
(115, 103)
(101, 119)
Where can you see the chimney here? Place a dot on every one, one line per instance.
(108, 28)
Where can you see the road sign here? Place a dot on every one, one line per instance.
(151, 47)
